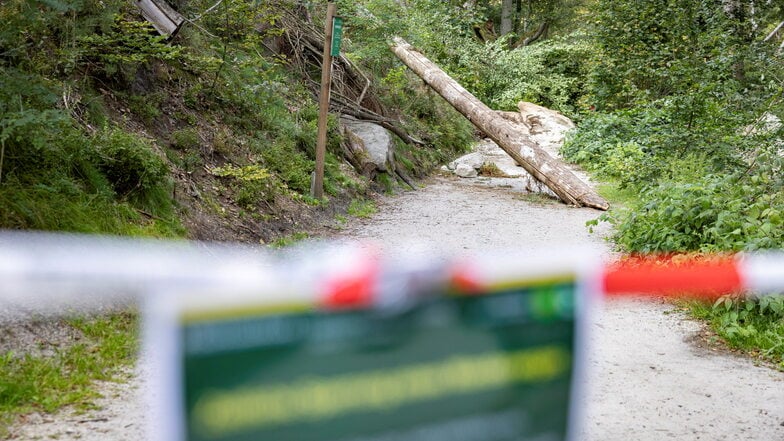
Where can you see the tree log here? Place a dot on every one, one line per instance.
(543, 167)
(163, 17)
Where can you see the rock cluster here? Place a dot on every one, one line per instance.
(546, 127)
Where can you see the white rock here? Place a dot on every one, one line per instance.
(767, 123)
(377, 141)
(547, 127)
(465, 171)
(473, 160)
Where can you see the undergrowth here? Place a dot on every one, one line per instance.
(755, 326)
(690, 138)
(28, 383)
(109, 128)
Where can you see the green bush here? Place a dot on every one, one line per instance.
(125, 47)
(184, 139)
(552, 73)
(251, 184)
(289, 163)
(753, 324)
(134, 170)
(714, 213)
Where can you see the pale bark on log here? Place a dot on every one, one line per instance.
(515, 118)
(515, 142)
(163, 17)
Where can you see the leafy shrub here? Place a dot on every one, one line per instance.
(134, 170)
(290, 164)
(551, 73)
(755, 324)
(29, 140)
(651, 49)
(714, 213)
(147, 106)
(639, 147)
(128, 45)
(248, 173)
(184, 139)
(251, 183)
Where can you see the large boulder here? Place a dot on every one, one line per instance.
(465, 171)
(546, 127)
(372, 140)
(472, 160)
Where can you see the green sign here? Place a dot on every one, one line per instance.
(494, 367)
(337, 35)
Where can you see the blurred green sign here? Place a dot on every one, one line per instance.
(492, 367)
(337, 35)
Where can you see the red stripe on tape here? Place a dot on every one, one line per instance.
(463, 279)
(666, 276)
(354, 290)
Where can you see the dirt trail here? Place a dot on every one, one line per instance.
(647, 379)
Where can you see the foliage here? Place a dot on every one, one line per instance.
(290, 164)
(128, 43)
(551, 74)
(30, 382)
(185, 139)
(248, 173)
(638, 147)
(715, 213)
(704, 181)
(686, 100)
(133, 169)
(55, 176)
(251, 183)
(39, 35)
(657, 48)
(361, 208)
(755, 325)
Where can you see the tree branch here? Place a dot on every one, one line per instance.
(537, 35)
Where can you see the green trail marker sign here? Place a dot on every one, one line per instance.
(337, 35)
(491, 367)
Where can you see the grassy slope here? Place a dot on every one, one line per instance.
(108, 129)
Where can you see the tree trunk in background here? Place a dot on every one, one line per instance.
(507, 12)
(548, 170)
(737, 12)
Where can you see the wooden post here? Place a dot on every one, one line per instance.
(326, 79)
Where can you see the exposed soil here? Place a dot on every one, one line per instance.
(647, 380)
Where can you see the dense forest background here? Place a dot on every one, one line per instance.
(108, 127)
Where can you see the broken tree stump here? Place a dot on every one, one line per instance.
(515, 142)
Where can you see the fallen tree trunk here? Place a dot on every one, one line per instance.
(515, 142)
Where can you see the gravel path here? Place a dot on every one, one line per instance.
(648, 380)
